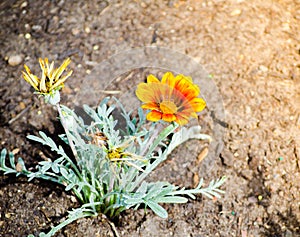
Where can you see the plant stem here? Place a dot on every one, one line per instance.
(166, 132)
(154, 135)
(69, 220)
(64, 124)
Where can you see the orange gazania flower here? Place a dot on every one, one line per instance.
(171, 99)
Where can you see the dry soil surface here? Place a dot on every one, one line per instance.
(251, 49)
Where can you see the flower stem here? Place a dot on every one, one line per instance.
(166, 132)
(63, 122)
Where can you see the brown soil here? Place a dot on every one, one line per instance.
(252, 50)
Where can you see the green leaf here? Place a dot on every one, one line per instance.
(157, 209)
(64, 172)
(35, 138)
(143, 188)
(133, 201)
(171, 200)
(21, 162)
(55, 167)
(12, 160)
(46, 166)
(2, 158)
(64, 138)
(70, 186)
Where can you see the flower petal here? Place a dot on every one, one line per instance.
(181, 120)
(168, 117)
(168, 107)
(42, 64)
(168, 78)
(61, 81)
(151, 78)
(187, 88)
(154, 116)
(61, 69)
(43, 87)
(142, 92)
(30, 79)
(150, 106)
(149, 92)
(35, 80)
(198, 104)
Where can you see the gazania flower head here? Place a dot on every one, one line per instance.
(117, 154)
(51, 79)
(173, 99)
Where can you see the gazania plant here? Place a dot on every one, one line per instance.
(108, 168)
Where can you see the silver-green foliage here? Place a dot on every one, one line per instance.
(108, 184)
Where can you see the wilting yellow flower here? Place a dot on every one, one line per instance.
(171, 99)
(51, 79)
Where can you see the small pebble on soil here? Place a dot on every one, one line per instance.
(15, 60)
